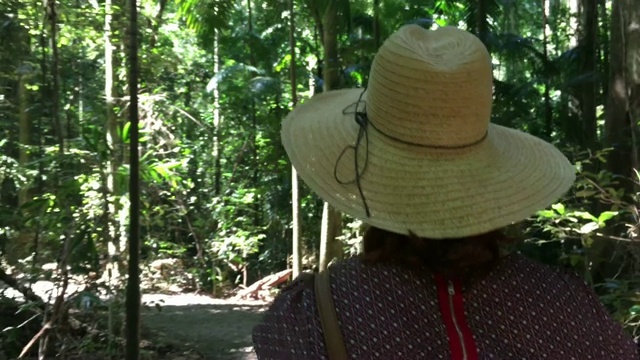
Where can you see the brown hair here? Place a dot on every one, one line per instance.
(464, 257)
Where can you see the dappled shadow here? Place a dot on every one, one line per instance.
(218, 331)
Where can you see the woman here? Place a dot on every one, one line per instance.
(415, 157)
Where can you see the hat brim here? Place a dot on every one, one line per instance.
(434, 193)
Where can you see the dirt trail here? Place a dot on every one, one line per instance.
(218, 329)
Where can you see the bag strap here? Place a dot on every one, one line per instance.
(334, 342)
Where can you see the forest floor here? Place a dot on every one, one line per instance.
(192, 326)
(218, 329)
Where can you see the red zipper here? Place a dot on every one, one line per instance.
(461, 341)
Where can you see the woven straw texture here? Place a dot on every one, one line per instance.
(432, 88)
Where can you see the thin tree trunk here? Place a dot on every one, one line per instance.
(156, 24)
(217, 148)
(481, 19)
(217, 119)
(113, 233)
(329, 229)
(331, 218)
(25, 139)
(44, 95)
(376, 23)
(113, 146)
(120, 43)
(574, 16)
(331, 75)
(589, 90)
(548, 113)
(133, 280)
(254, 144)
(296, 247)
(55, 76)
(511, 27)
(317, 17)
(604, 32)
(114, 269)
(25, 135)
(39, 135)
(570, 107)
(51, 16)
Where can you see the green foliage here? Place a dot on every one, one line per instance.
(580, 236)
(216, 181)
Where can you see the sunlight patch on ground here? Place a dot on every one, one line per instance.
(195, 299)
(48, 290)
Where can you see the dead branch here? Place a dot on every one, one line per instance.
(37, 337)
(264, 284)
(24, 290)
(56, 312)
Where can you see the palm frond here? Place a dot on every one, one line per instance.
(233, 70)
(206, 16)
(263, 84)
(480, 16)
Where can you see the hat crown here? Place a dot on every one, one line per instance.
(432, 88)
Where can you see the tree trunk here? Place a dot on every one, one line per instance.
(623, 103)
(331, 219)
(133, 279)
(510, 26)
(217, 119)
(217, 133)
(570, 105)
(55, 76)
(632, 64)
(120, 43)
(548, 113)
(376, 23)
(52, 17)
(482, 22)
(617, 124)
(588, 61)
(25, 133)
(296, 248)
(254, 144)
(603, 34)
(330, 228)
(114, 269)
(574, 16)
(621, 118)
(331, 71)
(156, 24)
(115, 246)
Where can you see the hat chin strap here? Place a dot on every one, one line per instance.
(363, 122)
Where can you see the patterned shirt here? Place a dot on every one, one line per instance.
(522, 310)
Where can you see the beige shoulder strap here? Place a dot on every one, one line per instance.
(334, 342)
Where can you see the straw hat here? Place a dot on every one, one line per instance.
(416, 152)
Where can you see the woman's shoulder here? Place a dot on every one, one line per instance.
(290, 328)
(556, 299)
(519, 275)
(520, 266)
